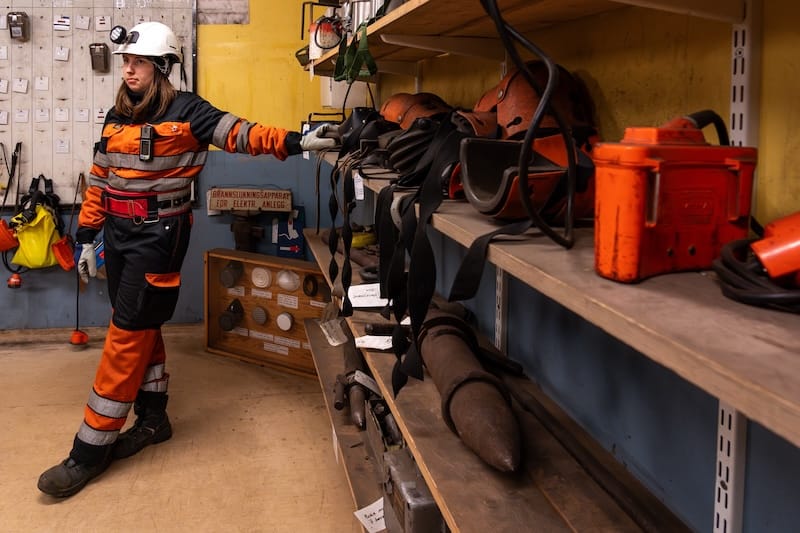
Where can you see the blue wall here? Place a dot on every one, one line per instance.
(47, 297)
(661, 427)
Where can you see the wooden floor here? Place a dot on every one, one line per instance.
(251, 450)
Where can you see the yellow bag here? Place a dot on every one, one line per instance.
(36, 239)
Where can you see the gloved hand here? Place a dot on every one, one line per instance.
(319, 138)
(87, 263)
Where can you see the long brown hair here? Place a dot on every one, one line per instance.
(154, 103)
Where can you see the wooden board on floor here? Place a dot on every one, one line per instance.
(257, 290)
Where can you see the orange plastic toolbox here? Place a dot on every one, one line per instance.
(667, 201)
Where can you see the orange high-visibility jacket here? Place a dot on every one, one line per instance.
(179, 148)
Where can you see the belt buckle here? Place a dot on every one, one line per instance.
(152, 218)
(138, 220)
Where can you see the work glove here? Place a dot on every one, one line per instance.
(322, 137)
(87, 263)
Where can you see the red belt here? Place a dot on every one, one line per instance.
(145, 208)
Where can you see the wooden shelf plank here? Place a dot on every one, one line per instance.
(358, 466)
(454, 18)
(743, 355)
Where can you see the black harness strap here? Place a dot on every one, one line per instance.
(343, 170)
(468, 278)
(420, 282)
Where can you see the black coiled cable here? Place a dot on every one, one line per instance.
(742, 278)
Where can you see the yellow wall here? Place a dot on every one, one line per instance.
(250, 69)
(642, 66)
(779, 145)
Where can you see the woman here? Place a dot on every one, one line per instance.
(154, 144)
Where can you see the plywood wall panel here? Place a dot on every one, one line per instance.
(55, 107)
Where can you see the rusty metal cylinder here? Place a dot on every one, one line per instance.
(475, 404)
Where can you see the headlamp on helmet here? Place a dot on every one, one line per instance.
(149, 39)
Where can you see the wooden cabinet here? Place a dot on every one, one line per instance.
(255, 306)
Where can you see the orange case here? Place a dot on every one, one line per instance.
(667, 201)
(779, 250)
(8, 239)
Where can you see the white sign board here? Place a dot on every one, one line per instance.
(224, 199)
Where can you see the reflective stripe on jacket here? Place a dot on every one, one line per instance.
(179, 150)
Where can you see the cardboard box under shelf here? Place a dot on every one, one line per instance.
(256, 336)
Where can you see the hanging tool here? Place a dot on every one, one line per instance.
(79, 339)
(348, 391)
(15, 280)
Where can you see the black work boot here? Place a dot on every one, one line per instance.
(85, 462)
(151, 426)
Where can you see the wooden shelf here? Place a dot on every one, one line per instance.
(743, 355)
(552, 490)
(746, 356)
(351, 449)
(455, 20)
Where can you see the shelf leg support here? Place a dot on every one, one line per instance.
(729, 489)
(744, 125)
(500, 308)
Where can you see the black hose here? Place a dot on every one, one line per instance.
(742, 278)
(508, 35)
(706, 117)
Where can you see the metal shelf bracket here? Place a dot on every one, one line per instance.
(731, 424)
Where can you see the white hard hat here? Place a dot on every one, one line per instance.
(152, 39)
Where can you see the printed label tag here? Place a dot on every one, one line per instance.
(270, 347)
(333, 332)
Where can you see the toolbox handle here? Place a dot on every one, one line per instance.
(740, 203)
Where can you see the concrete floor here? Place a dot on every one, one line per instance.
(251, 449)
